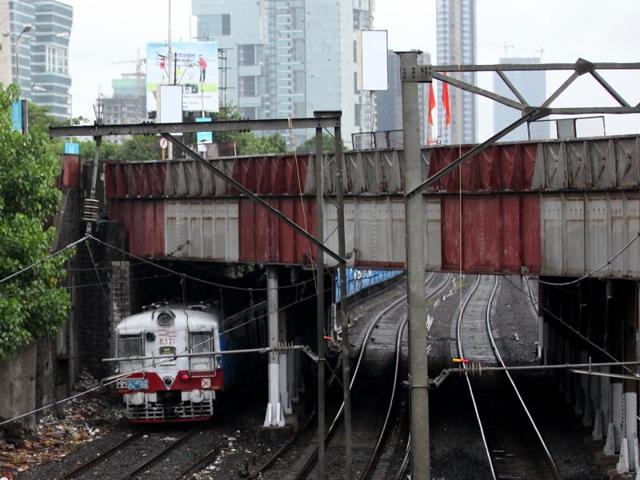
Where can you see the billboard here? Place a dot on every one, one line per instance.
(372, 60)
(195, 69)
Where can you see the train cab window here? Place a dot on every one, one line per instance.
(201, 342)
(130, 346)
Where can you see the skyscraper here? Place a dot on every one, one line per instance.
(456, 44)
(39, 30)
(290, 57)
(128, 103)
(532, 86)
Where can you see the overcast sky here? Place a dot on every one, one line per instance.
(109, 31)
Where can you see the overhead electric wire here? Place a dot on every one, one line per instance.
(42, 260)
(118, 377)
(191, 277)
(595, 270)
(539, 307)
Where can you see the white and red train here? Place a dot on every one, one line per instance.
(168, 354)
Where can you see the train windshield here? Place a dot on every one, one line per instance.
(201, 342)
(130, 346)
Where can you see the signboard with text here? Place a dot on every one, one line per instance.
(194, 66)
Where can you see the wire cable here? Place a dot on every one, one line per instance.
(595, 270)
(539, 307)
(42, 260)
(112, 380)
(191, 277)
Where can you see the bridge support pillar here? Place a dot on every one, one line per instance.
(274, 416)
(286, 365)
(617, 395)
(546, 342)
(585, 392)
(631, 426)
(605, 406)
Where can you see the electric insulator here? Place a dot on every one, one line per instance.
(91, 211)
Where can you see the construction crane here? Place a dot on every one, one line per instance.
(139, 72)
(504, 45)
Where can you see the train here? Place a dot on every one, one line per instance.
(169, 364)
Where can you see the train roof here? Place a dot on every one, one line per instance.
(194, 319)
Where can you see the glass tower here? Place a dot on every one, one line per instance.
(456, 44)
(37, 58)
(289, 57)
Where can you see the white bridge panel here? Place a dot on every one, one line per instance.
(202, 230)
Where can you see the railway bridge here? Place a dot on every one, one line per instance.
(564, 211)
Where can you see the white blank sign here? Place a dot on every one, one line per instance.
(170, 104)
(373, 68)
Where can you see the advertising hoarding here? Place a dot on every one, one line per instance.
(372, 60)
(195, 68)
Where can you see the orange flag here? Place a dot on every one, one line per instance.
(432, 103)
(446, 104)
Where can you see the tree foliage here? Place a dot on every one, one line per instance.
(248, 143)
(328, 145)
(31, 304)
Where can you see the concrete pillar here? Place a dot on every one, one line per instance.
(545, 342)
(568, 377)
(295, 373)
(604, 402)
(585, 392)
(291, 384)
(274, 416)
(285, 366)
(599, 422)
(617, 412)
(594, 394)
(631, 425)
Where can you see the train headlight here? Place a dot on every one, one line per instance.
(196, 396)
(136, 398)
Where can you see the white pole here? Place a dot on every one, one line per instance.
(169, 52)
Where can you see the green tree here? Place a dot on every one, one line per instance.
(31, 304)
(248, 143)
(138, 147)
(327, 145)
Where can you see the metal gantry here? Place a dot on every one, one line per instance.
(411, 75)
(320, 121)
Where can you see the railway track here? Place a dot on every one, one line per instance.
(129, 450)
(103, 456)
(513, 443)
(373, 409)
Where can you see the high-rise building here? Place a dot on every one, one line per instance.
(456, 44)
(290, 57)
(128, 103)
(532, 86)
(35, 51)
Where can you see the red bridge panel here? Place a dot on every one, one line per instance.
(144, 222)
(501, 167)
(499, 234)
(265, 239)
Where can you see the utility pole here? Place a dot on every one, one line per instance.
(169, 72)
(27, 28)
(411, 75)
(344, 317)
(169, 50)
(320, 321)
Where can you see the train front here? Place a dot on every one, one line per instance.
(167, 354)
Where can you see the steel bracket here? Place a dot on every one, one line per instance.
(417, 74)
